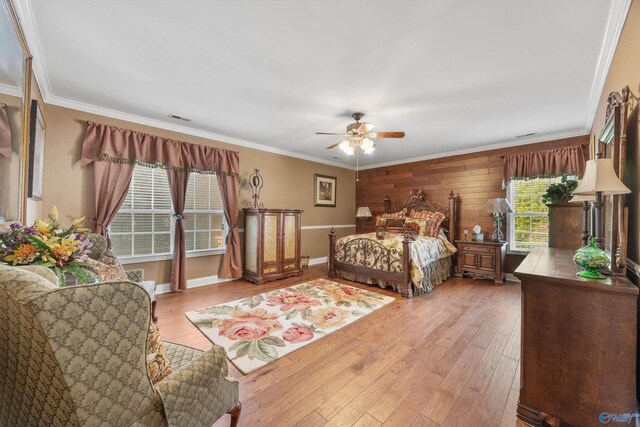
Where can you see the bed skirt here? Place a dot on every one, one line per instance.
(432, 275)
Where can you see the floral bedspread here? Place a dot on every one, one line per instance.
(386, 254)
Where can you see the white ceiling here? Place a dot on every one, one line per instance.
(455, 75)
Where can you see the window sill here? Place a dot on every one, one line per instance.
(154, 258)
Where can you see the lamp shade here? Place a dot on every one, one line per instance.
(363, 212)
(499, 205)
(599, 176)
(583, 198)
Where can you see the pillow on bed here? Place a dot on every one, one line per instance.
(429, 222)
(399, 214)
(398, 225)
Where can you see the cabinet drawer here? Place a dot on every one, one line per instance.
(269, 270)
(288, 267)
(472, 248)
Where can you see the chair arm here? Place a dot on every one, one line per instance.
(135, 275)
(199, 393)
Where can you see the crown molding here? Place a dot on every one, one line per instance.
(10, 90)
(488, 147)
(617, 17)
(119, 115)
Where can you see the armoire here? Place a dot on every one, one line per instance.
(271, 244)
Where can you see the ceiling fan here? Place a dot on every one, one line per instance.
(359, 136)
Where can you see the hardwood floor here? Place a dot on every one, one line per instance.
(449, 358)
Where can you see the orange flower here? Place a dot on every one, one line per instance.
(22, 254)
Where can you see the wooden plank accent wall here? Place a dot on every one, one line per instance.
(474, 177)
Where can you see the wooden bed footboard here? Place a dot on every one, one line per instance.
(403, 279)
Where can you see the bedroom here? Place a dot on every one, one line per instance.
(511, 79)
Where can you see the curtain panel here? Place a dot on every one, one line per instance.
(115, 151)
(545, 163)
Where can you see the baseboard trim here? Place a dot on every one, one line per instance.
(316, 261)
(193, 283)
(511, 278)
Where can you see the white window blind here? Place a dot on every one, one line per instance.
(529, 223)
(144, 225)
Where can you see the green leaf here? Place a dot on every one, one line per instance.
(277, 341)
(62, 280)
(217, 310)
(239, 345)
(291, 314)
(344, 303)
(203, 324)
(305, 314)
(242, 352)
(262, 351)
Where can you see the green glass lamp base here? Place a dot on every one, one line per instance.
(591, 274)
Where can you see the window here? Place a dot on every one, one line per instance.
(529, 223)
(144, 225)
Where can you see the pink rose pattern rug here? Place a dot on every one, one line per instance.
(259, 329)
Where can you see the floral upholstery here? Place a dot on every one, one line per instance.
(75, 356)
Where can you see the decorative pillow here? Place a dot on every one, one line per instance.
(398, 225)
(157, 362)
(107, 272)
(399, 214)
(433, 222)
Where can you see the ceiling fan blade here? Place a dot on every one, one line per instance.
(329, 133)
(385, 135)
(334, 145)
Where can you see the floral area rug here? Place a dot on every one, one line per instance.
(259, 329)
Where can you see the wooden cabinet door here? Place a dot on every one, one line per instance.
(270, 243)
(487, 262)
(251, 239)
(470, 260)
(289, 236)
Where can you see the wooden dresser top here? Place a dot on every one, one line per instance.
(555, 266)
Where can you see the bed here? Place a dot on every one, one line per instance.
(398, 255)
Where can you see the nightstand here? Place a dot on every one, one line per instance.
(481, 260)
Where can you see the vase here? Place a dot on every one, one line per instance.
(592, 259)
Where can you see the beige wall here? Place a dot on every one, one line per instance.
(625, 71)
(34, 207)
(288, 183)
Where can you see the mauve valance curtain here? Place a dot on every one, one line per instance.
(5, 133)
(115, 151)
(545, 163)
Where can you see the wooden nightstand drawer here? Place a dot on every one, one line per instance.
(475, 248)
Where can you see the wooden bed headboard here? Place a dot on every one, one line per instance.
(418, 201)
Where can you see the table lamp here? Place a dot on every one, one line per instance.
(498, 207)
(587, 220)
(599, 179)
(363, 213)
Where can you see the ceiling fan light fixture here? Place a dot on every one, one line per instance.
(346, 147)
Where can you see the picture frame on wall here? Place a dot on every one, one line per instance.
(325, 190)
(36, 152)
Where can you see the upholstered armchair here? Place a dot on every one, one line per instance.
(101, 253)
(76, 356)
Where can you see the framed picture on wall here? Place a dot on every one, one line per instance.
(36, 152)
(324, 193)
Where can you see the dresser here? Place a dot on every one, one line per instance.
(578, 343)
(271, 244)
(482, 260)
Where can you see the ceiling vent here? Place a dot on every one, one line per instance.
(184, 119)
(524, 135)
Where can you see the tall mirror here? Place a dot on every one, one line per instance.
(15, 94)
(614, 138)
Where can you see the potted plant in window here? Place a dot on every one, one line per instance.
(565, 227)
(559, 192)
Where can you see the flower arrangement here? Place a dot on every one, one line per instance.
(416, 194)
(50, 244)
